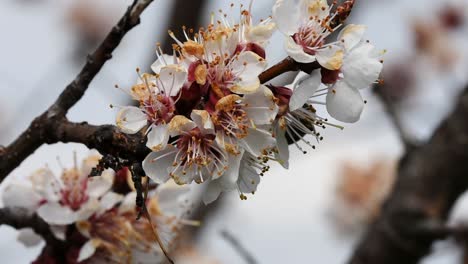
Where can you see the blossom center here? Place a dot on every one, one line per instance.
(74, 190)
(159, 109)
(196, 154)
(231, 117)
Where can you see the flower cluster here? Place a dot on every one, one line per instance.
(97, 224)
(207, 117)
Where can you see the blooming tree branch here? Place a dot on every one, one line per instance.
(38, 132)
(431, 178)
(52, 126)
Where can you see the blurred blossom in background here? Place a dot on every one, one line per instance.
(312, 213)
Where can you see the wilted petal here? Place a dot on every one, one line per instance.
(351, 35)
(286, 15)
(131, 119)
(297, 52)
(361, 67)
(156, 164)
(260, 106)
(180, 124)
(344, 103)
(203, 121)
(158, 137)
(304, 89)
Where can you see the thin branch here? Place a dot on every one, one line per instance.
(430, 180)
(389, 106)
(234, 242)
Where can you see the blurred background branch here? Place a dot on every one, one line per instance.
(429, 182)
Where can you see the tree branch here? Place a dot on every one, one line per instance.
(52, 126)
(20, 218)
(37, 133)
(389, 107)
(431, 178)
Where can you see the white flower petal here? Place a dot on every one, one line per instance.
(161, 62)
(45, 184)
(87, 209)
(28, 237)
(158, 137)
(212, 192)
(20, 195)
(247, 66)
(108, 201)
(283, 147)
(129, 202)
(304, 89)
(351, 35)
(344, 103)
(156, 164)
(248, 179)
(257, 141)
(228, 180)
(297, 52)
(331, 57)
(260, 106)
(203, 121)
(99, 185)
(172, 79)
(169, 194)
(56, 214)
(361, 67)
(131, 119)
(88, 249)
(286, 15)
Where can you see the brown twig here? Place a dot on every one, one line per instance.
(430, 179)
